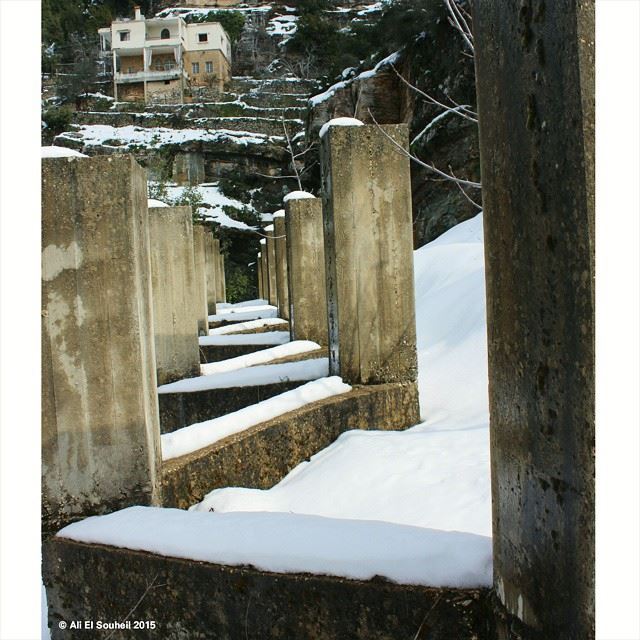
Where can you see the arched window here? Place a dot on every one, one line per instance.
(165, 34)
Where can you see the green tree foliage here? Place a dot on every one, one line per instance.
(231, 21)
(57, 119)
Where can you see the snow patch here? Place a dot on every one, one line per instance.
(246, 326)
(269, 338)
(151, 202)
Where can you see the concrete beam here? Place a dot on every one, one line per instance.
(271, 268)
(535, 85)
(199, 257)
(306, 270)
(100, 431)
(282, 272)
(173, 281)
(369, 254)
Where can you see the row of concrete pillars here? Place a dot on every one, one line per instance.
(534, 73)
(126, 291)
(340, 268)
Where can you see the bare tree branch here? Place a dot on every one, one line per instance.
(430, 167)
(293, 157)
(463, 111)
(458, 21)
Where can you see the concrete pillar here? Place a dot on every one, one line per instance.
(199, 254)
(265, 269)
(259, 269)
(219, 271)
(223, 279)
(282, 273)
(271, 266)
(306, 270)
(369, 254)
(211, 262)
(535, 84)
(173, 280)
(100, 430)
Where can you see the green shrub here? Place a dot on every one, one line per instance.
(57, 119)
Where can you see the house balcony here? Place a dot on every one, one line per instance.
(152, 75)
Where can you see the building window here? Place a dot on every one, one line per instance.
(165, 34)
(124, 35)
(203, 37)
(208, 67)
(195, 68)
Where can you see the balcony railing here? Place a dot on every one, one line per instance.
(170, 72)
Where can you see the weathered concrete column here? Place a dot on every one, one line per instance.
(259, 269)
(535, 83)
(211, 262)
(265, 269)
(306, 269)
(173, 280)
(271, 266)
(199, 254)
(100, 431)
(219, 271)
(369, 254)
(223, 278)
(282, 273)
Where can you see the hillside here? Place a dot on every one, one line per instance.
(295, 66)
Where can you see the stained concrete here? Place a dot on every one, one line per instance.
(282, 273)
(179, 410)
(536, 108)
(199, 257)
(100, 433)
(259, 270)
(203, 601)
(369, 254)
(261, 456)
(271, 269)
(306, 270)
(173, 280)
(211, 267)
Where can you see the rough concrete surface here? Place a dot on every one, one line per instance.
(305, 264)
(202, 601)
(369, 254)
(536, 106)
(199, 256)
(173, 280)
(282, 273)
(98, 366)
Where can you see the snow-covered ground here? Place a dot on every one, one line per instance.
(412, 506)
(436, 474)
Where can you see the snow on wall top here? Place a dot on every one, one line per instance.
(294, 543)
(280, 213)
(60, 152)
(297, 195)
(340, 122)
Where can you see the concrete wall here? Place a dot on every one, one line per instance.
(536, 105)
(282, 272)
(306, 270)
(212, 268)
(188, 168)
(369, 254)
(199, 257)
(173, 279)
(100, 432)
